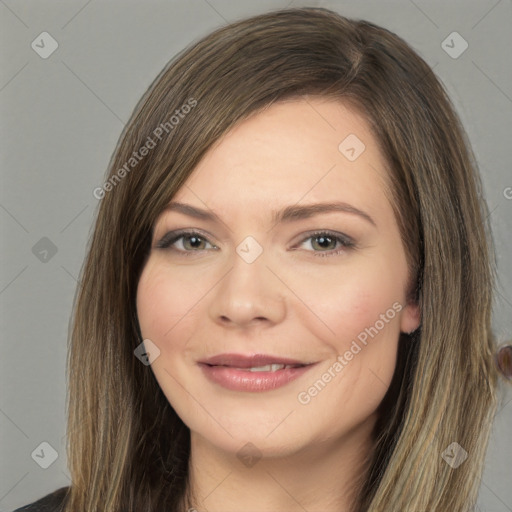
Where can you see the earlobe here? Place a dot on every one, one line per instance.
(411, 318)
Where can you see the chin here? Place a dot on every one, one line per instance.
(248, 440)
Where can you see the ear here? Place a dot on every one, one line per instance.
(410, 318)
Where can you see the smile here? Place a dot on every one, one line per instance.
(252, 373)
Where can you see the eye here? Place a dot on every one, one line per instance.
(328, 243)
(323, 243)
(184, 241)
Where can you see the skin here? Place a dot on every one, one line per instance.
(292, 301)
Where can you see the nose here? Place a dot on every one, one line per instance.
(248, 295)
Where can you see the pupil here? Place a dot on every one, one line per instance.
(324, 240)
(194, 241)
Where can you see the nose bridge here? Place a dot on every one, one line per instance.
(249, 291)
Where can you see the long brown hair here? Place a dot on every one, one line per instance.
(127, 448)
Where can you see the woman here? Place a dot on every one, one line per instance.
(287, 297)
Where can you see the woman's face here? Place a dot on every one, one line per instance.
(265, 273)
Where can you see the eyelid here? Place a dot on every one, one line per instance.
(347, 243)
(172, 236)
(333, 234)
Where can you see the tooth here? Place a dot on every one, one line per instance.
(267, 368)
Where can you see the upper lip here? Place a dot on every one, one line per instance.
(249, 360)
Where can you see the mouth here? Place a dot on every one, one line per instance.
(253, 361)
(274, 367)
(253, 373)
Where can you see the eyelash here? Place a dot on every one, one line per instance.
(173, 236)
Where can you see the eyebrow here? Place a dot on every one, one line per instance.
(287, 214)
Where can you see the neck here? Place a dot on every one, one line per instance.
(326, 476)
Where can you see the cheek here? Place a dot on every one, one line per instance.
(167, 317)
(342, 304)
(364, 348)
(165, 300)
(161, 307)
(359, 310)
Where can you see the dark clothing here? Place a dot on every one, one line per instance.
(52, 502)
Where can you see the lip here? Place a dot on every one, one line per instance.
(228, 371)
(249, 360)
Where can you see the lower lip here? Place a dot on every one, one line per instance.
(245, 380)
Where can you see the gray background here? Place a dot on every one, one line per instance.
(61, 118)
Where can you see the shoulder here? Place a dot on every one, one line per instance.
(50, 503)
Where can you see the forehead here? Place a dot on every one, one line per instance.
(305, 150)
